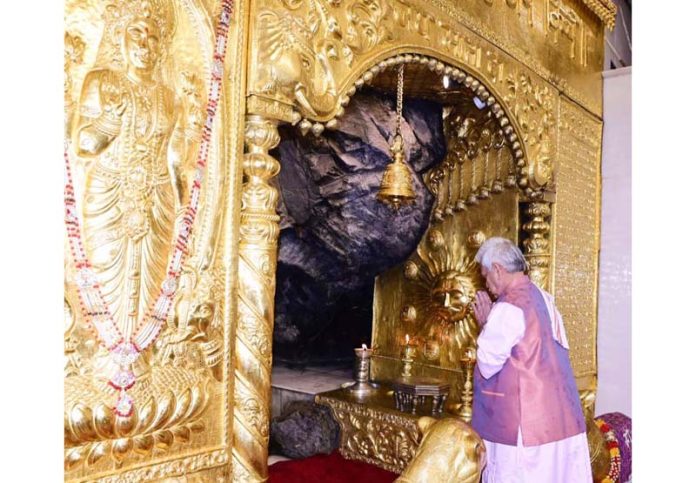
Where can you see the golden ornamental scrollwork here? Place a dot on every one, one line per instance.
(257, 265)
(534, 106)
(370, 22)
(605, 9)
(218, 474)
(537, 245)
(545, 19)
(386, 439)
(213, 463)
(309, 52)
(328, 40)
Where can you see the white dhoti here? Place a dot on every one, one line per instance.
(564, 461)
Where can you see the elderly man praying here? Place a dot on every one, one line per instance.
(526, 403)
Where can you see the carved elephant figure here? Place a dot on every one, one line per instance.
(450, 452)
(293, 65)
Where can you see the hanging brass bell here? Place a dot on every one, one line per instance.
(397, 184)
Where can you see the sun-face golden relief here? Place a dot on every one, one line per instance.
(439, 291)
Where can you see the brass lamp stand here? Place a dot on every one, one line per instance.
(362, 385)
(468, 362)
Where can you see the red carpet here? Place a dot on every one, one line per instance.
(331, 468)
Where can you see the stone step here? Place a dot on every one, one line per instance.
(303, 384)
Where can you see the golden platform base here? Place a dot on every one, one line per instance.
(372, 429)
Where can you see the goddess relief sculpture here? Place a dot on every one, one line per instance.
(140, 140)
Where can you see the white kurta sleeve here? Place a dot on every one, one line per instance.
(503, 330)
(557, 327)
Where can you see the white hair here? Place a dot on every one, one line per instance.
(503, 252)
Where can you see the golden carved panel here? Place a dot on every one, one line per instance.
(219, 474)
(137, 80)
(560, 40)
(307, 55)
(427, 296)
(374, 431)
(533, 104)
(576, 231)
(197, 467)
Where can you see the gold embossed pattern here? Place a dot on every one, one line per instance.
(577, 233)
(125, 200)
(385, 438)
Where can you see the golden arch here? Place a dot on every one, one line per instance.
(473, 80)
(307, 59)
(297, 61)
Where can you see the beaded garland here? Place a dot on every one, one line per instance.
(92, 303)
(614, 475)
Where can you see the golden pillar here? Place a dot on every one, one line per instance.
(257, 266)
(537, 247)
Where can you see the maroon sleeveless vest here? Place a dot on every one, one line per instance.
(535, 390)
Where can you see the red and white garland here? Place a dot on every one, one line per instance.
(125, 351)
(614, 453)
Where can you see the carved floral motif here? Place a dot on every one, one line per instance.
(377, 437)
(534, 105)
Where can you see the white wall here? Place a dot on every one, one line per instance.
(614, 337)
(617, 43)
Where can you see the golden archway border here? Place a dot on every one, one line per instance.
(308, 57)
(531, 186)
(259, 232)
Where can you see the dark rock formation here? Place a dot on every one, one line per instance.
(304, 430)
(335, 235)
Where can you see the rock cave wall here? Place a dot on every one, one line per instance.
(335, 235)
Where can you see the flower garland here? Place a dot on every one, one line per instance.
(614, 453)
(125, 351)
